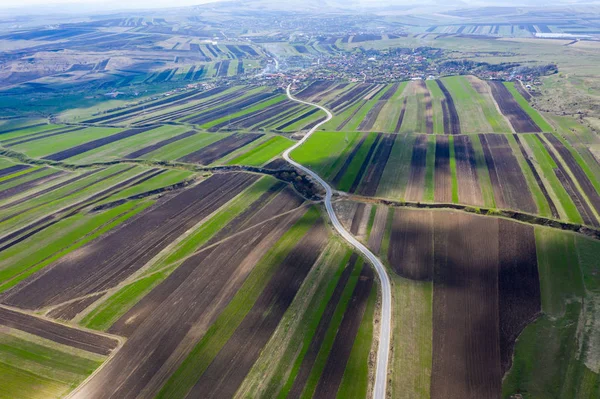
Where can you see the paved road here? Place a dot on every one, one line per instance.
(383, 352)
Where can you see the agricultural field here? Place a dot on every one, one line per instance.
(535, 281)
(452, 105)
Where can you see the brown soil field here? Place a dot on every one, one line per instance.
(367, 123)
(297, 119)
(187, 110)
(401, 117)
(375, 169)
(106, 261)
(466, 354)
(228, 370)
(146, 150)
(416, 180)
(338, 177)
(262, 209)
(578, 199)
(580, 175)
(221, 148)
(523, 91)
(226, 109)
(284, 115)
(518, 118)
(194, 296)
(351, 116)
(57, 332)
(442, 175)
(46, 134)
(315, 345)
(451, 119)
(315, 88)
(410, 252)
(494, 178)
(469, 191)
(365, 165)
(333, 372)
(538, 179)
(514, 187)
(13, 169)
(70, 310)
(422, 88)
(49, 189)
(90, 145)
(251, 119)
(378, 230)
(21, 188)
(357, 219)
(518, 285)
(168, 102)
(350, 97)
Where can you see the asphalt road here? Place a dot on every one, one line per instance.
(383, 352)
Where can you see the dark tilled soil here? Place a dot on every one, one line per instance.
(452, 125)
(331, 378)
(411, 244)
(221, 148)
(235, 106)
(519, 119)
(580, 175)
(401, 117)
(69, 311)
(23, 187)
(442, 175)
(466, 354)
(338, 177)
(315, 345)
(146, 150)
(469, 191)
(518, 285)
(180, 312)
(106, 261)
(90, 145)
(538, 179)
(297, 119)
(494, 178)
(13, 169)
(57, 332)
(418, 163)
(364, 166)
(228, 370)
(375, 170)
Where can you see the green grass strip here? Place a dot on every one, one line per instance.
(356, 164)
(429, 193)
(453, 170)
(322, 150)
(328, 340)
(192, 368)
(212, 226)
(538, 196)
(355, 381)
(483, 174)
(313, 318)
(547, 165)
(63, 240)
(254, 108)
(266, 151)
(20, 173)
(533, 113)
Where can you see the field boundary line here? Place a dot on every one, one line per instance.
(383, 351)
(517, 216)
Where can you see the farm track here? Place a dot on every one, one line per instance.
(383, 351)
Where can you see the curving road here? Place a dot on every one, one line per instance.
(383, 352)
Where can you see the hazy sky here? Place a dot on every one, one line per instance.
(112, 4)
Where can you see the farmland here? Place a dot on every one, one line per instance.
(159, 239)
